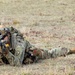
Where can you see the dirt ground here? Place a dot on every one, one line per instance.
(46, 24)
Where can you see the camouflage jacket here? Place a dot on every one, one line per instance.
(13, 46)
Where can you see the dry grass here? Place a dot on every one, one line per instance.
(59, 66)
(46, 24)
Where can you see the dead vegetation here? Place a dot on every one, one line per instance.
(46, 24)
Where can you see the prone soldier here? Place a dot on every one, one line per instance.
(17, 51)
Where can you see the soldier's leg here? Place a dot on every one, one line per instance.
(41, 53)
(53, 53)
(57, 52)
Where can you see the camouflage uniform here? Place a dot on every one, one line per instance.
(38, 54)
(20, 51)
(17, 45)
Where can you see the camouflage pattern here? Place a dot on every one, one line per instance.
(19, 51)
(19, 47)
(60, 51)
(53, 53)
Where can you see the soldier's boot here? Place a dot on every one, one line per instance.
(71, 51)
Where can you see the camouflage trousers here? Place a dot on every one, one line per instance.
(38, 53)
(46, 54)
(53, 53)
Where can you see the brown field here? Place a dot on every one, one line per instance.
(46, 24)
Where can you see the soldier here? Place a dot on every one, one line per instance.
(18, 51)
(13, 46)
